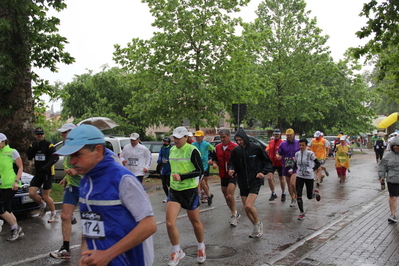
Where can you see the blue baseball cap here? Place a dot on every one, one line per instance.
(79, 137)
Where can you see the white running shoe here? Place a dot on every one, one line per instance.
(1, 225)
(176, 257)
(53, 218)
(234, 219)
(201, 256)
(257, 231)
(43, 210)
(16, 233)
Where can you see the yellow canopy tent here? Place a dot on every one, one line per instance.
(392, 118)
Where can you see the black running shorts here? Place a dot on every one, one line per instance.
(188, 199)
(393, 189)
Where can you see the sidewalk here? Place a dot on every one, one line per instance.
(366, 239)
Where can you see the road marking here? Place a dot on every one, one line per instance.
(23, 262)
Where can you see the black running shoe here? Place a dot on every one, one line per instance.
(210, 197)
(273, 196)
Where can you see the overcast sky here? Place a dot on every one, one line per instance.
(92, 27)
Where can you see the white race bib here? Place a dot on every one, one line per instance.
(132, 161)
(40, 157)
(92, 225)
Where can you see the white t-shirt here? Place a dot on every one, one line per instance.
(136, 158)
(305, 163)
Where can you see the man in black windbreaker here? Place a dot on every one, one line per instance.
(250, 163)
(42, 151)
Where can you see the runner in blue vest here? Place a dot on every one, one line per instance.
(116, 213)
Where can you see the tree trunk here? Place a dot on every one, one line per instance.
(17, 106)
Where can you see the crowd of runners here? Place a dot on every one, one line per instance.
(298, 164)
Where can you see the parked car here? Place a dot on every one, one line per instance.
(154, 147)
(114, 143)
(252, 139)
(21, 201)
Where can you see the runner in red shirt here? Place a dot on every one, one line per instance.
(271, 149)
(228, 183)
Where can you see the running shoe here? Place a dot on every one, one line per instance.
(283, 197)
(234, 219)
(73, 220)
(327, 173)
(201, 256)
(316, 192)
(53, 218)
(16, 233)
(273, 196)
(205, 199)
(392, 219)
(1, 225)
(61, 254)
(43, 209)
(176, 257)
(257, 231)
(210, 197)
(293, 203)
(301, 216)
(165, 200)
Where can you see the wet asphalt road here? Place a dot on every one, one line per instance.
(225, 245)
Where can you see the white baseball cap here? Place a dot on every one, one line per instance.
(180, 132)
(66, 127)
(134, 136)
(317, 134)
(2, 137)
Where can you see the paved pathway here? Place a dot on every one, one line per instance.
(367, 239)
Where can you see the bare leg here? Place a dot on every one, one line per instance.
(66, 216)
(393, 204)
(197, 225)
(172, 211)
(228, 193)
(282, 183)
(9, 218)
(46, 197)
(249, 207)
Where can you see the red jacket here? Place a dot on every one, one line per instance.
(223, 156)
(272, 148)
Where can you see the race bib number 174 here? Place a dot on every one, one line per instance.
(92, 225)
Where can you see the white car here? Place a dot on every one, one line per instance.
(113, 143)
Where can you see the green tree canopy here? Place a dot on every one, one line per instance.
(383, 28)
(291, 57)
(102, 94)
(303, 87)
(28, 38)
(186, 71)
